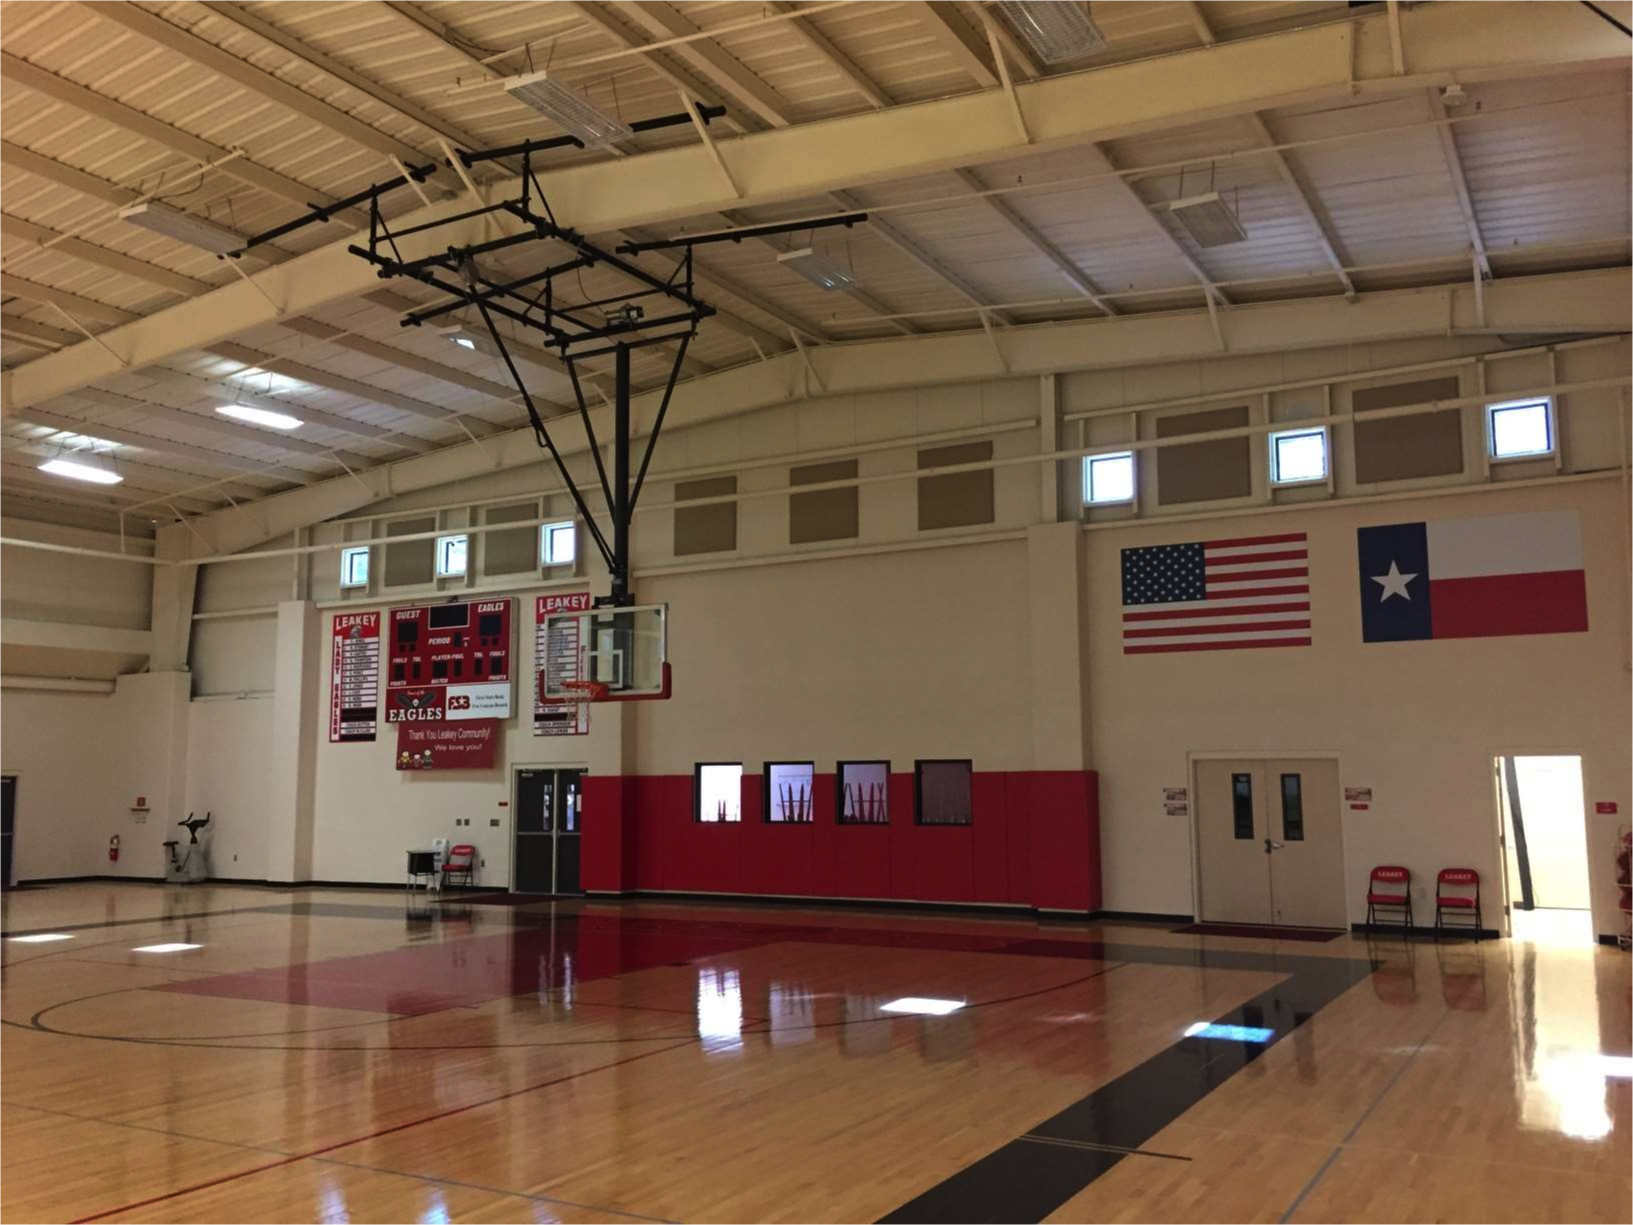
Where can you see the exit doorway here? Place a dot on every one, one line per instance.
(548, 810)
(1542, 829)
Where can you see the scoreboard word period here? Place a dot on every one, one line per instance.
(450, 661)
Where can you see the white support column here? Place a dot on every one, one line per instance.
(1059, 687)
(294, 742)
(1049, 479)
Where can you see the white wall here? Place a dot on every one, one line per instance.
(229, 773)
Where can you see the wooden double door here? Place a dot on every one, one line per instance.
(1270, 842)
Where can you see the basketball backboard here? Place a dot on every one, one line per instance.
(626, 650)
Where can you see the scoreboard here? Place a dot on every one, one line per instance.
(450, 661)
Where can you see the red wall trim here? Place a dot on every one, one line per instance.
(1034, 841)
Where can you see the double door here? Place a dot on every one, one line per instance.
(547, 830)
(1270, 842)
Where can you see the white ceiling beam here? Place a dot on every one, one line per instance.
(1308, 203)
(212, 423)
(239, 16)
(19, 328)
(221, 460)
(709, 58)
(1199, 22)
(225, 64)
(102, 257)
(837, 59)
(1587, 302)
(78, 306)
(967, 49)
(114, 497)
(1340, 61)
(60, 89)
(1460, 183)
(1067, 267)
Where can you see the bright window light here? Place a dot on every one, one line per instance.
(354, 567)
(922, 1006)
(1521, 429)
(1297, 456)
(452, 552)
(1108, 478)
(259, 416)
(719, 790)
(81, 472)
(41, 938)
(1230, 1033)
(166, 948)
(558, 544)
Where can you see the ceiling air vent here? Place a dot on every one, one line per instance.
(1208, 219)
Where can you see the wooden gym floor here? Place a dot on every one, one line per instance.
(359, 1056)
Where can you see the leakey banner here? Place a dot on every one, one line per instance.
(354, 677)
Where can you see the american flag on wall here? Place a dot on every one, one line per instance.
(1217, 595)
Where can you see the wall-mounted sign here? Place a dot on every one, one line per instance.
(558, 658)
(1175, 795)
(1605, 807)
(450, 662)
(1358, 794)
(1176, 810)
(466, 744)
(354, 677)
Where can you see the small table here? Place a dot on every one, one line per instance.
(422, 863)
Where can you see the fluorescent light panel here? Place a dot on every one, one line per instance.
(182, 227)
(80, 472)
(1208, 219)
(166, 948)
(41, 938)
(567, 109)
(922, 1006)
(1056, 31)
(259, 416)
(817, 268)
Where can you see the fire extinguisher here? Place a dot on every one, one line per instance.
(113, 849)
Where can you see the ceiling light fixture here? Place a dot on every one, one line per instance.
(1055, 30)
(1208, 220)
(260, 416)
(817, 268)
(75, 470)
(464, 337)
(568, 110)
(182, 227)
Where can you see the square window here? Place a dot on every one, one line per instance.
(942, 793)
(354, 567)
(717, 790)
(1297, 456)
(558, 544)
(789, 790)
(451, 555)
(1108, 478)
(864, 792)
(1522, 429)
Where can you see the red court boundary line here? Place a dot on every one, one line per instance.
(373, 1135)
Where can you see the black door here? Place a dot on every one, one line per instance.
(8, 818)
(535, 831)
(568, 803)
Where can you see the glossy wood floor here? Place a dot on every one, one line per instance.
(356, 1056)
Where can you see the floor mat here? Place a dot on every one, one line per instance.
(1257, 932)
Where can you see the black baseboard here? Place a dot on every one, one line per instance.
(1140, 916)
(84, 880)
(1400, 929)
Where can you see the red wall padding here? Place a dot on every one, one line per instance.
(1034, 841)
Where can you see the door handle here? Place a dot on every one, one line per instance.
(1272, 846)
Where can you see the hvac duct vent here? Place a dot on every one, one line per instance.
(568, 110)
(1208, 219)
(1056, 30)
(817, 268)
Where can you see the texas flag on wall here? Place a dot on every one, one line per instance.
(1473, 578)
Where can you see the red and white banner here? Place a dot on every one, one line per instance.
(467, 745)
(354, 677)
(450, 662)
(559, 658)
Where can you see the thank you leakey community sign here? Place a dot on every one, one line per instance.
(467, 744)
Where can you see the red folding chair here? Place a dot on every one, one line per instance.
(1452, 909)
(1390, 890)
(461, 861)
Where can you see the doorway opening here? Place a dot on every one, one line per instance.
(8, 824)
(1269, 842)
(1543, 834)
(548, 826)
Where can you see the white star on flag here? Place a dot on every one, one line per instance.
(1393, 583)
